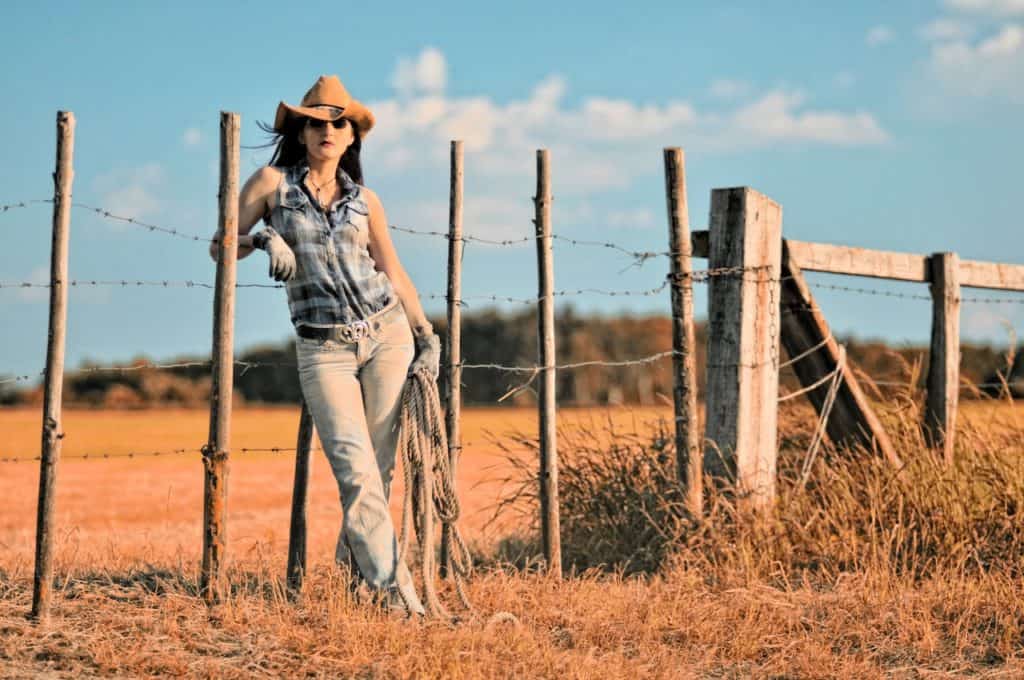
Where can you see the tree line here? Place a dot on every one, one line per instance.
(509, 339)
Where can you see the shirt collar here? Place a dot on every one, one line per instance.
(348, 186)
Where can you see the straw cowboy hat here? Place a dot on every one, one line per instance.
(326, 100)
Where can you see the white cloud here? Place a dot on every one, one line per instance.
(879, 35)
(427, 73)
(990, 7)
(597, 143)
(132, 192)
(725, 88)
(192, 137)
(991, 66)
(945, 28)
(775, 117)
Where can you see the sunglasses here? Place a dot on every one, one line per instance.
(317, 124)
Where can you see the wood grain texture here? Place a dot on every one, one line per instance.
(453, 346)
(689, 457)
(944, 359)
(297, 533)
(215, 459)
(550, 523)
(852, 421)
(52, 433)
(743, 339)
(834, 259)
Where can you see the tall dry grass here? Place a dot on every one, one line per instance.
(861, 572)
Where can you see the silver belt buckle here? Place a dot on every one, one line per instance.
(354, 331)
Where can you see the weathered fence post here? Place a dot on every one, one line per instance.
(454, 341)
(550, 530)
(215, 453)
(296, 569)
(684, 393)
(944, 359)
(63, 176)
(743, 343)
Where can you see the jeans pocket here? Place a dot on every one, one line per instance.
(395, 332)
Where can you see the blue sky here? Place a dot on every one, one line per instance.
(878, 124)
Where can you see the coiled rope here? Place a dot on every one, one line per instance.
(423, 446)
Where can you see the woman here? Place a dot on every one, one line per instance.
(360, 325)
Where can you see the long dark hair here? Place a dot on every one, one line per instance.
(288, 151)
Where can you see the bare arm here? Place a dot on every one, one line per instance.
(382, 250)
(254, 201)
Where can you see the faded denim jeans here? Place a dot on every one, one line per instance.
(353, 391)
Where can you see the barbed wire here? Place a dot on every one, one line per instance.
(125, 283)
(244, 450)
(139, 223)
(24, 204)
(696, 276)
(916, 296)
(639, 255)
(16, 378)
(146, 454)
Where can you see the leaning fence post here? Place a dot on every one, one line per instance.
(743, 343)
(215, 453)
(42, 586)
(296, 569)
(550, 530)
(944, 358)
(454, 340)
(684, 393)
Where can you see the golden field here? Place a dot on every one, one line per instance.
(152, 505)
(129, 543)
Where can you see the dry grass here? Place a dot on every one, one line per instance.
(863, 573)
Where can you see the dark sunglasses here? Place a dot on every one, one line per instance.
(318, 124)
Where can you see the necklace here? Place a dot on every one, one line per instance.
(318, 188)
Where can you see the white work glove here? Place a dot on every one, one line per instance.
(282, 259)
(428, 355)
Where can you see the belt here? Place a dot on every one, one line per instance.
(350, 332)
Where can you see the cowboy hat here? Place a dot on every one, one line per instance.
(326, 100)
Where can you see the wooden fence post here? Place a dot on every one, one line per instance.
(688, 454)
(454, 341)
(296, 569)
(63, 176)
(944, 359)
(743, 343)
(215, 453)
(550, 529)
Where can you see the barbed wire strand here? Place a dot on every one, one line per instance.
(244, 450)
(125, 283)
(24, 204)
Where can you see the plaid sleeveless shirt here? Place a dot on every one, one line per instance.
(335, 280)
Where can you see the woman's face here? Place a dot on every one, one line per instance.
(326, 142)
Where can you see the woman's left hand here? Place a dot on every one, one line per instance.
(428, 355)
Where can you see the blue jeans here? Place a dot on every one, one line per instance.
(353, 391)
